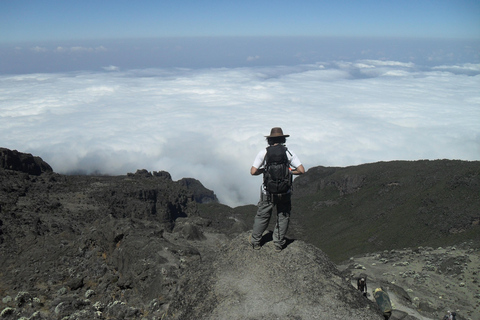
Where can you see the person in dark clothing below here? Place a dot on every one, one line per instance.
(362, 285)
(450, 316)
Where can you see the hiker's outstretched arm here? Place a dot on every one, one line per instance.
(255, 171)
(299, 170)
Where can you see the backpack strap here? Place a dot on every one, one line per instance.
(291, 155)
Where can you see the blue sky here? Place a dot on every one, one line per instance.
(57, 36)
(32, 20)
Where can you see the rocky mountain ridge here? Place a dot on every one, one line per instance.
(142, 246)
(388, 205)
(135, 247)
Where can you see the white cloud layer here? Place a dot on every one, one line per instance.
(209, 124)
(60, 49)
(111, 68)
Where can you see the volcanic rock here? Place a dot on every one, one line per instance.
(142, 246)
(135, 247)
(200, 193)
(23, 162)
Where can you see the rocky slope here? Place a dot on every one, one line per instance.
(424, 282)
(297, 283)
(65, 240)
(388, 205)
(136, 247)
(141, 246)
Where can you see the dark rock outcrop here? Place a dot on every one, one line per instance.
(388, 205)
(200, 193)
(23, 162)
(81, 246)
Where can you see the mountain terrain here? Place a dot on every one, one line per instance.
(142, 246)
(388, 205)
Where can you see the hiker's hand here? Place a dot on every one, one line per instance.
(299, 170)
(255, 171)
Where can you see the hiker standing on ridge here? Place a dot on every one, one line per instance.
(277, 164)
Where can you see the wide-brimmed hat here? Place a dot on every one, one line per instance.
(277, 132)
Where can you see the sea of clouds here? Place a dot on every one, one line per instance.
(209, 124)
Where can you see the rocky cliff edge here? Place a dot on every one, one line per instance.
(135, 247)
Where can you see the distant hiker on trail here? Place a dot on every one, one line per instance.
(277, 164)
(362, 285)
(450, 316)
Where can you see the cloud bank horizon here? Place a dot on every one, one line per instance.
(210, 123)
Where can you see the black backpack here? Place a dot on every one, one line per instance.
(277, 178)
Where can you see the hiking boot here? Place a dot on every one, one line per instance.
(278, 248)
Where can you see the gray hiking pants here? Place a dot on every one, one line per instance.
(264, 213)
